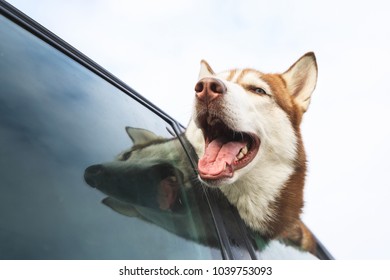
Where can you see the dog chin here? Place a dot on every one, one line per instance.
(216, 183)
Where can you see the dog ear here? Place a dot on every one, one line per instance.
(205, 70)
(301, 79)
(141, 136)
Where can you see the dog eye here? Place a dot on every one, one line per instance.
(126, 155)
(258, 90)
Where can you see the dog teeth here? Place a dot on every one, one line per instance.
(242, 153)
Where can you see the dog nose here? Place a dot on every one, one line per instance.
(92, 173)
(208, 89)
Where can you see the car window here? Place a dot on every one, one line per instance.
(278, 250)
(87, 172)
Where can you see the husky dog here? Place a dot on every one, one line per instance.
(245, 129)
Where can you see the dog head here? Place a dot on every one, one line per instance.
(142, 175)
(243, 117)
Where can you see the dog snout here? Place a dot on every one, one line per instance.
(92, 174)
(208, 89)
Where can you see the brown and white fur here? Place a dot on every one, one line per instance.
(264, 111)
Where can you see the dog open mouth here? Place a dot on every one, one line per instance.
(226, 150)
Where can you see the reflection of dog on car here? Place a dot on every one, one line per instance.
(151, 162)
(245, 130)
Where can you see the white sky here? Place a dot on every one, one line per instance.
(156, 46)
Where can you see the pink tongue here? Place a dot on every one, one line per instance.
(219, 154)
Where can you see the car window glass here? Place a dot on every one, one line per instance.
(279, 250)
(86, 171)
